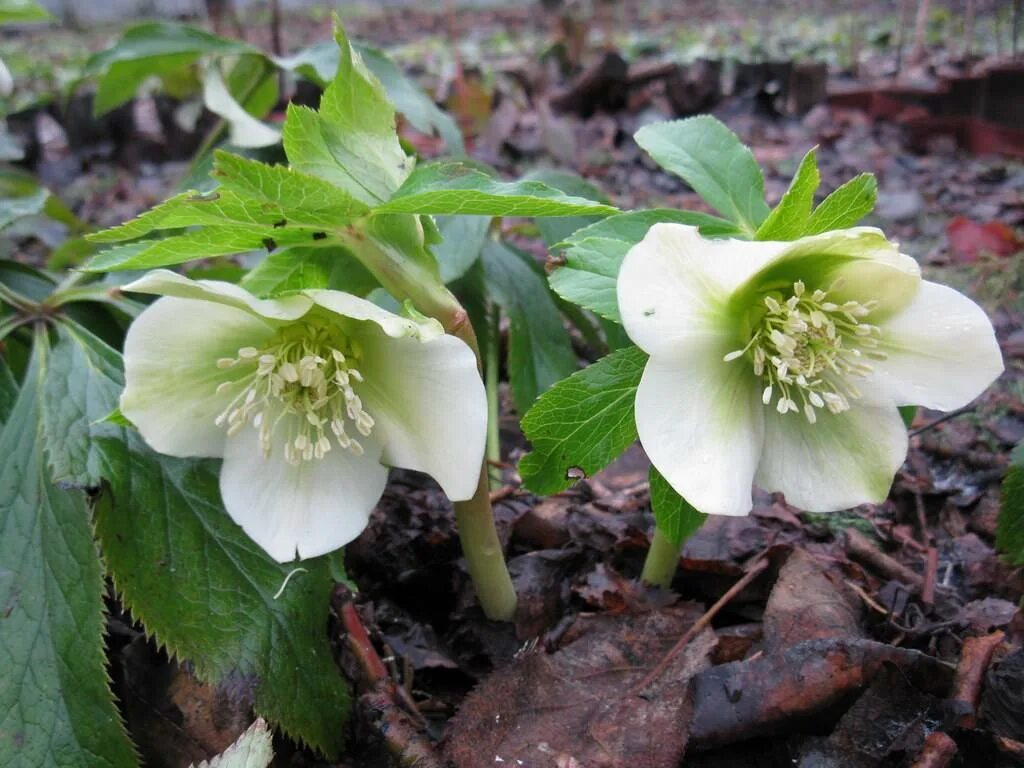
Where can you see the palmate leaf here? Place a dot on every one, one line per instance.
(582, 423)
(55, 707)
(594, 254)
(301, 267)
(711, 159)
(789, 219)
(846, 206)
(540, 353)
(456, 188)
(463, 239)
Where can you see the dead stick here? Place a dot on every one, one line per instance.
(860, 548)
(931, 569)
(975, 656)
(370, 662)
(698, 626)
(938, 751)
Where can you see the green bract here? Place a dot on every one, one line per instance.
(783, 363)
(306, 398)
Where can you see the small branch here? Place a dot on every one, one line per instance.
(860, 548)
(756, 567)
(975, 656)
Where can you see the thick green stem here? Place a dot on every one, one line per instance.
(405, 278)
(491, 375)
(662, 561)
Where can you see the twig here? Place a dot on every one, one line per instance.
(756, 567)
(975, 657)
(942, 419)
(860, 548)
(503, 493)
(931, 568)
(373, 669)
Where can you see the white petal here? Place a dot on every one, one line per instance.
(942, 352)
(313, 508)
(674, 284)
(700, 421)
(430, 407)
(347, 305)
(838, 462)
(171, 373)
(163, 282)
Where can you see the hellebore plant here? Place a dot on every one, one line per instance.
(784, 363)
(307, 398)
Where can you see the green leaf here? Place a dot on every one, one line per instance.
(55, 707)
(244, 130)
(463, 239)
(351, 141)
(1010, 529)
(21, 11)
(593, 255)
(908, 413)
(540, 353)
(207, 592)
(582, 423)
(8, 392)
(458, 189)
(846, 206)
(253, 749)
(789, 219)
(82, 386)
(555, 229)
(307, 200)
(409, 99)
(299, 267)
(673, 514)
(711, 159)
(198, 244)
(151, 50)
(20, 196)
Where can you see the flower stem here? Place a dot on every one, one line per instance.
(662, 560)
(491, 366)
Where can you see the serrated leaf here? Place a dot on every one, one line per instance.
(22, 11)
(582, 423)
(151, 50)
(463, 238)
(455, 188)
(540, 353)
(846, 206)
(789, 219)
(351, 141)
(301, 198)
(244, 130)
(711, 159)
(300, 267)
(198, 244)
(206, 591)
(555, 229)
(253, 749)
(8, 392)
(594, 254)
(675, 516)
(56, 709)
(82, 385)
(1010, 529)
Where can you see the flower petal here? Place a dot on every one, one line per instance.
(673, 285)
(700, 421)
(171, 373)
(312, 508)
(942, 352)
(393, 325)
(429, 405)
(838, 462)
(163, 282)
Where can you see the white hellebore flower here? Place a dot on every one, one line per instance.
(306, 398)
(783, 363)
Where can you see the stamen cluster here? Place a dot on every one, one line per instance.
(807, 347)
(302, 381)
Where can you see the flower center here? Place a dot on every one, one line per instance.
(302, 382)
(807, 347)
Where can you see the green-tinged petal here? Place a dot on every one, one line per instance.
(171, 373)
(838, 462)
(430, 407)
(942, 352)
(163, 282)
(309, 509)
(701, 422)
(674, 285)
(393, 325)
(857, 264)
